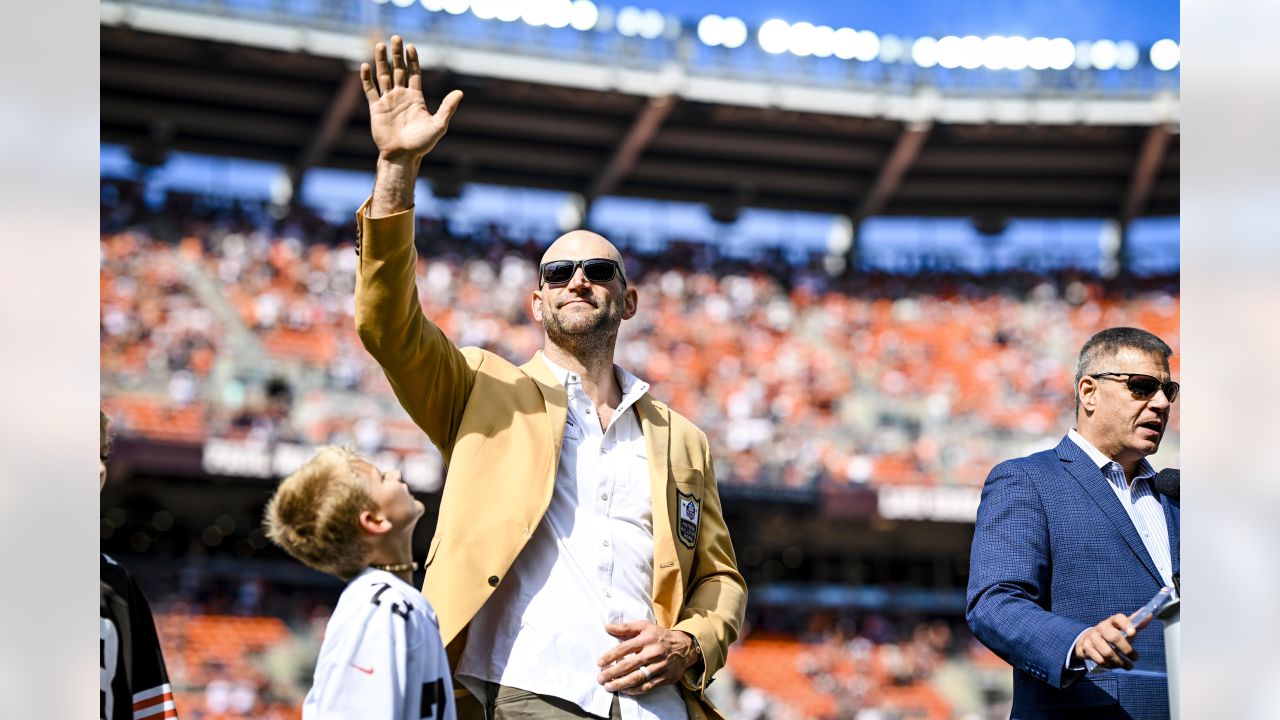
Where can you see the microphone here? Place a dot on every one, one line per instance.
(1168, 482)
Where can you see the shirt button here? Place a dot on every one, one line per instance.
(606, 543)
(604, 496)
(588, 411)
(493, 581)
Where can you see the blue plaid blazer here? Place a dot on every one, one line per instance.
(1055, 552)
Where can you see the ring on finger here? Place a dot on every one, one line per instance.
(647, 674)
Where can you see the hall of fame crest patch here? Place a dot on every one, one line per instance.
(690, 513)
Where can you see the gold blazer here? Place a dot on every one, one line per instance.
(499, 429)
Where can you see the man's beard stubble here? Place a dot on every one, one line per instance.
(587, 336)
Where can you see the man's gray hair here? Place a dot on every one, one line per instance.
(1108, 343)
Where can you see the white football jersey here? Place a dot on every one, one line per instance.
(382, 657)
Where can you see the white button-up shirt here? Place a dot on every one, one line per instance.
(588, 563)
(1144, 509)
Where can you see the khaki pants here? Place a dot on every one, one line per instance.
(506, 703)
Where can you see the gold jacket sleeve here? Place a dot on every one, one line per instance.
(717, 598)
(429, 375)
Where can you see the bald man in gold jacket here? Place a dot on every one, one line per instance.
(500, 429)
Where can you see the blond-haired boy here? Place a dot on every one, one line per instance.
(381, 656)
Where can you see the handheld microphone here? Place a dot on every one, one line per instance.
(1168, 482)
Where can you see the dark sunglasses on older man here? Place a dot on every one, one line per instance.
(1143, 386)
(597, 270)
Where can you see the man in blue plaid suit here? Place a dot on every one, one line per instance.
(1070, 541)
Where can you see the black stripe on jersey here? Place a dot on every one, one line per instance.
(432, 699)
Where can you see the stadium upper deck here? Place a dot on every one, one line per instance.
(602, 113)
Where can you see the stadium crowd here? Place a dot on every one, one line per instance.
(800, 379)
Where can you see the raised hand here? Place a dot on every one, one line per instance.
(403, 128)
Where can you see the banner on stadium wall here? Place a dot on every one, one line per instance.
(918, 502)
(249, 458)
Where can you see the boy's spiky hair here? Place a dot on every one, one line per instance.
(315, 514)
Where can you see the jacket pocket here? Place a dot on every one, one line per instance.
(686, 518)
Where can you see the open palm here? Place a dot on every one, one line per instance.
(401, 124)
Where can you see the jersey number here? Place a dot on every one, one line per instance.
(433, 699)
(109, 647)
(396, 608)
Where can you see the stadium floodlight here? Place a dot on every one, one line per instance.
(823, 40)
(844, 43)
(773, 36)
(629, 21)
(892, 49)
(652, 24)
(485, 9)
(868, 46)
(583, 15)
(733, 32)
(1016, 52)
(1165, 54)
(1039, 53)
(993, 53)
(711, 30)
(509, 10)
(433, 5)
(800, 38)
(1104, 54)
(970, 52)
(1062, 53)
(402, 3)
(924, 52)
(1126, 55)
(534, 13)
(949, 52)
(457, 7)
(558, 13)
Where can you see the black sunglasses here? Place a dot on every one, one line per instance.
(1144, 386)
(596, 270)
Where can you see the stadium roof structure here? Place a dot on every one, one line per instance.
(174, 78)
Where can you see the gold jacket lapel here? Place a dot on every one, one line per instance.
(557, 403)
(656, 425)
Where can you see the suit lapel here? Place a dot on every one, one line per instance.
(557, 402)
(1080, 466)
(656, 426)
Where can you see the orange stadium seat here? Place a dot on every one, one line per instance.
(215, 646)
